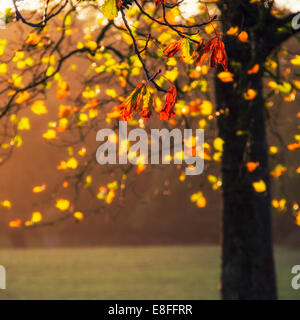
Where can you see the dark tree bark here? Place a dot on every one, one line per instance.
(247, 256)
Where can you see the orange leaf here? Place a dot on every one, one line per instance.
(173, 48)
(171, 99)
(243, 36)
(251, 166)
(255, 69)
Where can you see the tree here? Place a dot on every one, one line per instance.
(251, 34)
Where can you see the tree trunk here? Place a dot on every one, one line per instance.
(247, 256)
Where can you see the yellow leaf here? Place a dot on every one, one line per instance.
(296, 60)
(39, 107)
(68, 20)
(297, 84)
(2, 46)
(111, 93)
(78, 215)
(195, 196)
(250, 94)
(82, 152)
(259, 186)
(22, 97)
(232, 31)
(279, 204)
(72, 163)
(50, 134)
(3, 68)
(24, 124)
(36, 217)
(6, 204)
(38, 189)
(109, 9)
(278, 171)
(225, 76)
(110, 196)
(273, 150)
(62, 204)
(33, 39)
(206, 108)
(172, 75)
(113, 185)
(210, 28)
(218, 144)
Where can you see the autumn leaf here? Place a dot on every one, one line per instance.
(50, 134)
(278, 171)
(110, 196)
(39, 107)
(294, 146)
(216, 49)
(24, 124)
(296, 61)
(109, 9)
(243, 36)
(36, 217)
(254, 69)
(199, 199)
(206, 108)
(78, 215)
(139, 100)
(64, 111)
(251, 166)
(62, 90)
(232, 31)
(15, 223)
(187, 51)
(173, 48)
(218, 144)
(171, 99)
(273, 150)
(22, 97)
(3, 68)
(62, 204)
(5, 204)
(226, 76)
(280, 205)
(38, 189)
(250, 94)
(33, 39)
(210, 28)
(259, 186)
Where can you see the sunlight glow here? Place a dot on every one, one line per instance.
(187, 8)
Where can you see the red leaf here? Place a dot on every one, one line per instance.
(173, 48)
(216, 48)
(171, 99)
(140, 99)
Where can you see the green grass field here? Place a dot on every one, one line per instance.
(177, 272)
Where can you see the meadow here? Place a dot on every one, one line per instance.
(170, 272)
